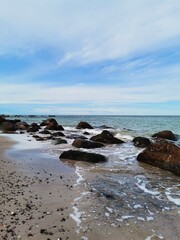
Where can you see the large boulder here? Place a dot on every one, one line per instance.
(34, 127)
(8, 127)
(22, 125)
(49, 122)
(82, 156)
(54, 127)
(2, 119)
(162, 154)
(141, 142)
(166, 134)
(106, 137)
(83, 125)
(81, 143)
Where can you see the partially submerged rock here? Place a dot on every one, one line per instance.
(58, 134)
(82, 156)
(141, 142)
(48, 122)
(83, 125)
(166, 134)
(22, 125)
(106, 137)
(81, 143)
(8, 127)
(162, 154)
(34, 127)
(57, 141)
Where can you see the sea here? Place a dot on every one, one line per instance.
(127, 190)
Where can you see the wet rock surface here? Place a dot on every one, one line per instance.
(162, 154)
(83, 125)
(165, 135)
(81, 143)
(106, 137)
(141, 142)
(82, 156)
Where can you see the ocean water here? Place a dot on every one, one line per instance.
(127, 190)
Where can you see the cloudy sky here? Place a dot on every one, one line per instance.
(90, 57)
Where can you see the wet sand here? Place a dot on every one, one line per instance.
(43, 199)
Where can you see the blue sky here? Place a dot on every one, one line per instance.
(90, 57)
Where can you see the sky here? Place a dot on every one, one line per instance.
(81, 57)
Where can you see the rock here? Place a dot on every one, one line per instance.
(83, 125)
(82, 156)
(162, 154)
(8, 127)
(54, 127)
(74, 136)
(45, 132)
(57, 141)
(50, 121)
(22, 125)
(34, 127)
(141, 142)
(165, 135)
(106, 137)
(58, 134)
(38, 138)
(86, 133)
(51, 124)
(2, 119)
(80, 143)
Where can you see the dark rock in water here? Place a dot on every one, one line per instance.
(34, 127)
(80, 143)
(105, 127)
(51, 124)
(82, 156)
(8, 127)
(162, 154)
(75, 136)
(85, 133)
(38, 138)
(45, 132)
(165, 135)
(141, 142)
(54, 127)
(50, 121)
(57, 141)
(2, 119)
(22, 126)
(58, 134)
(84, 125)
(106, 137)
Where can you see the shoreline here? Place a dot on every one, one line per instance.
(48, 199)
(35, 204)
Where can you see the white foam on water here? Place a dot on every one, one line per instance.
(142, 185)
(109, 209)
(127, 217)
(154, 235)
(124, 136)
(137, 206)
(107, 214)
(77, 215)
(172, 191)
(80, 177)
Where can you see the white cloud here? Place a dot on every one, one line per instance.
(88, 31)
(44, 94)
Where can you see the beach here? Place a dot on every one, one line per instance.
(43, 197)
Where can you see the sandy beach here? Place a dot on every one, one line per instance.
(42, 198)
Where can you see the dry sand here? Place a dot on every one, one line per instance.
(42, 201)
